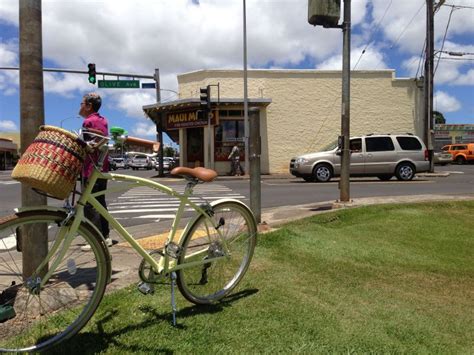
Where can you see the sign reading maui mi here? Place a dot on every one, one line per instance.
(189, 119)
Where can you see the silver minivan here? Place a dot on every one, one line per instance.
(381, 155)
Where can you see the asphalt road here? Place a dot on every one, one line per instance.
(139, 205)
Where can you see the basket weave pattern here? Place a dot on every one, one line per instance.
(52, 162)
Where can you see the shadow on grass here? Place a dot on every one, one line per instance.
(95, 342)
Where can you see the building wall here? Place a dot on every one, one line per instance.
(305, 113)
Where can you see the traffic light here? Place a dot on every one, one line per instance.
(92, 73)
(205, 98)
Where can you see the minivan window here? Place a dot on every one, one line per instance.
(409, 143)
(355, 145)
(379, 144)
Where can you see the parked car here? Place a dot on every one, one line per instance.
(462, 153)
(112, 164)
(120, 163)
(442, 158)
(168, 164)
(140, 161)
(381, 155)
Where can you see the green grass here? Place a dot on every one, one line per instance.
(380, 279)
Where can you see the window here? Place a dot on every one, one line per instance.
(379, 144)
(229, 132)
(409, 143)
(356, 145)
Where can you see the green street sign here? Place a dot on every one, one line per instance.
(119, 84)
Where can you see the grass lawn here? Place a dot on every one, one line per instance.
(379, 279)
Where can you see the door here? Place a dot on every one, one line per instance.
(380, 155)
(195, 146)
(357, 156)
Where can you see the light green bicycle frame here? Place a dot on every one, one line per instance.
(164, 265)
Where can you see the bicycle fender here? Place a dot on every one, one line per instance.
(214, 203)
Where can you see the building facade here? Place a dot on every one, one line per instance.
(298, 111)
(8, 153)
(453, 133)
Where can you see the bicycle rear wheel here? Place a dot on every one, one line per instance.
(34, 318)
(229, 247)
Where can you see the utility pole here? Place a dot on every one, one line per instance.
(326, 13)
(159, 125)
(428, 84)
(33, 240)
(344, 184)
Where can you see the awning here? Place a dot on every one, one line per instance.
(154, 111)
(7, 145)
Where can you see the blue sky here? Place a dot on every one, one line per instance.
(186, 35)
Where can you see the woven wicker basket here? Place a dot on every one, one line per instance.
(52, 162)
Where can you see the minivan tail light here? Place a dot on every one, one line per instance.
(427, 156)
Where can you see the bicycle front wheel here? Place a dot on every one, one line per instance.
(35, 317)
(228, 243)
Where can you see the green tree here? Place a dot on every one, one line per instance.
(169, 152)
(439, 117)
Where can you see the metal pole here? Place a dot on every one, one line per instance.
(246, 105)
(255, 152)
(159, 125)
(344, 184)
(429, 80)
(34, 239)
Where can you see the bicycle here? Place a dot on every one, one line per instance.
(55, 300)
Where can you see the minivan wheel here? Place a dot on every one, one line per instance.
(405, 172)
(322, 173)
(460, 160)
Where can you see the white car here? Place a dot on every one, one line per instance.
(168, 164)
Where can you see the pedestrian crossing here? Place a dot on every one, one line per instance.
(142, 203)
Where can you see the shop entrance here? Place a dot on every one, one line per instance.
(195, 146)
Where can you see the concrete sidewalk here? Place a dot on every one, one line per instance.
(125, 261)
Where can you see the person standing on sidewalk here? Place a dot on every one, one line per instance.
(234, 157)
(95, 123)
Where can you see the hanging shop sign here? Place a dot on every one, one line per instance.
(189, 119)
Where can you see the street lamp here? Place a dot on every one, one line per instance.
(64, 119)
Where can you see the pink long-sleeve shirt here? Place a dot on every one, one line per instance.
(99, 123)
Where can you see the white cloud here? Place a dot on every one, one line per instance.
(445, 103)
(466, 78)
(131, 102)
(371, 59)
(7, 125)
(144, 129)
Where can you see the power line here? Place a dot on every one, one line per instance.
(459, 6)
(449, 58)
(444, 38)
(457, 54)
(408, 25)
(422, 55)
(372, 32)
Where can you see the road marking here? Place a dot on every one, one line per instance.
(9, 182)
(8, 242)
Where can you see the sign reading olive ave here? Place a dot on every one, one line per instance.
(188, 119)
(119, 84)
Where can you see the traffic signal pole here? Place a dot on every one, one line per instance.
(159, 125)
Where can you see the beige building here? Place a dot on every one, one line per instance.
(299, 111)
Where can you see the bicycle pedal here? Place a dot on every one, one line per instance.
(145, 288)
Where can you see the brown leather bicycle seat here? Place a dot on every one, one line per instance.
(203, 174)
